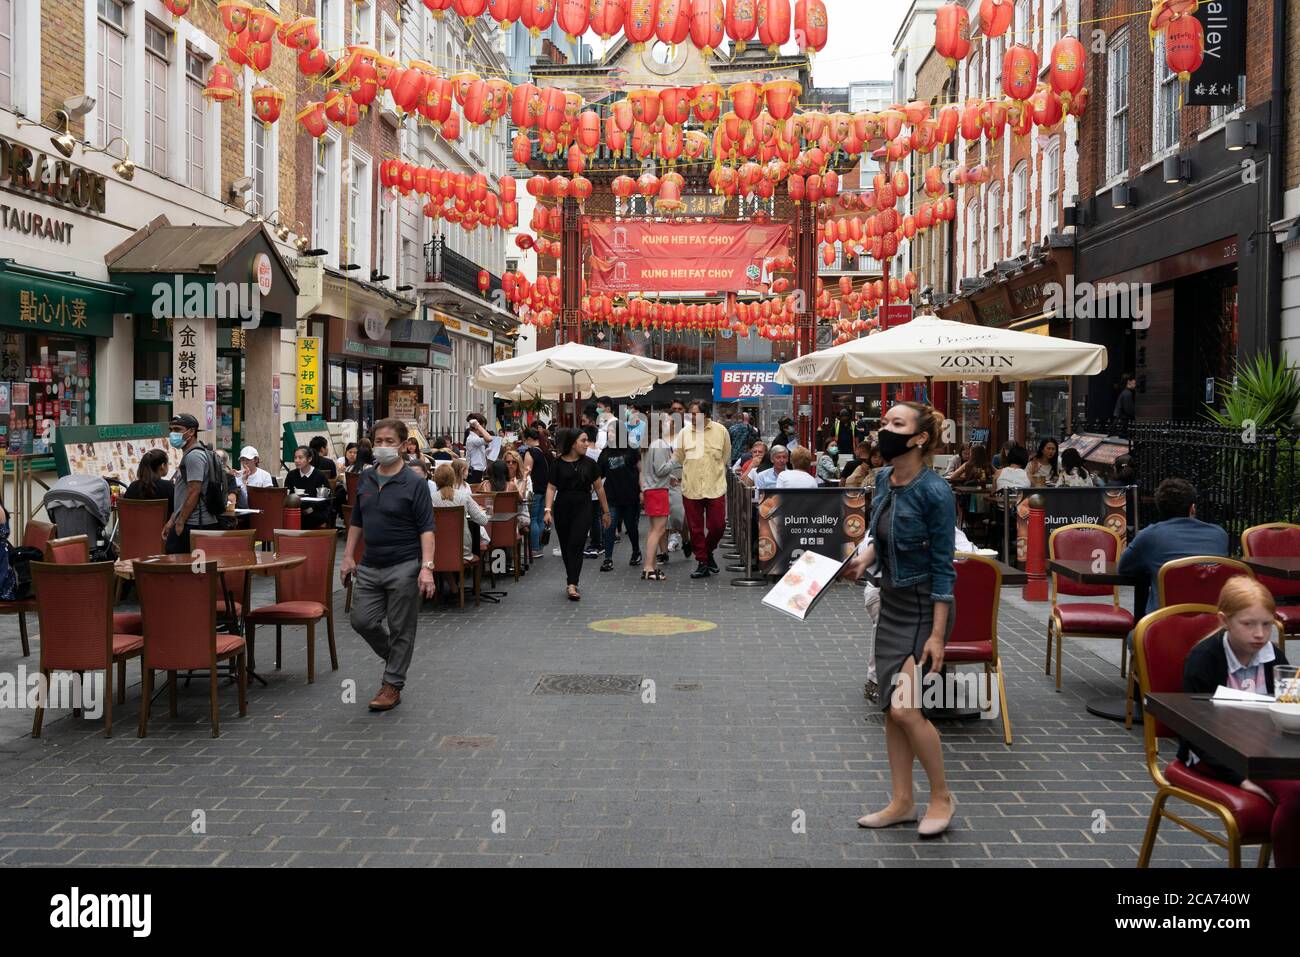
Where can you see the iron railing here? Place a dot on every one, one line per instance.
(1243, 477)
(444, 264)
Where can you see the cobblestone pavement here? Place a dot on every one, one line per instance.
(758, 724)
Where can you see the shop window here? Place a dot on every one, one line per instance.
(110, 84)
(53, 374)
(1117, 79)
(6, 52)
(196, 71)
(157, 60)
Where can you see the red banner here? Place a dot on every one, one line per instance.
(682, 257)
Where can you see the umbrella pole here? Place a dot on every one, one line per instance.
(573, 381)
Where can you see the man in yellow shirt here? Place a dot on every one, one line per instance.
(704, 449)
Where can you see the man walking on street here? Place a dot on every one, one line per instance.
(394, 515)
(189, 511)
(704, 449)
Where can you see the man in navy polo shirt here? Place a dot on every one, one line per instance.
(394, 513)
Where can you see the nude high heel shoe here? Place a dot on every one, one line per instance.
(934, 826)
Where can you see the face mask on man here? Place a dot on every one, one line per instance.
(177, 439)
(385, 455)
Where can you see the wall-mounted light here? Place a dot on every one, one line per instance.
(376, 276)
(1177, 169)
(1239, 133)
(124, 168)
(406, 288)
(315, 253)
(1121, 197)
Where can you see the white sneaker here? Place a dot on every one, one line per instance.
(556, 552)
(674, 542)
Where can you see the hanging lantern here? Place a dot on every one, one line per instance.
(675, 105)
(470, 10)
(589, 131)
(573, 17)
(972, 120)
(746, 100)
(313, 62)
(645, 106)
(1066, 69)
(553, 104)
(267, 104)
(1020, 118)
(608, 17)
(221, 84)
(301, 34)
(1165, 12)
(670, 143)
(774, 24)
(312, 119)
(576, 162)
(952, 33)
(707, 101)
(811, 25)
(707, 20)
(624, 187)
(639, 25)
(341, 109)
(742, 22)
(995, 17)
(558, 187)
(1019, 72)
(648, 184)
(1080, 103)
(261, 25)
(177, 8)
(436, 7)
(538, 15)
(1046, 109)
(484, 281)
(995, 115)
(580, 188)
(615, 139)
(782, 98)
(234, 17)
(450, 128)
(525, 106)
(1184, 46)
(673, 25)
(505, 12)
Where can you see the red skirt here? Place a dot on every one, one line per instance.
(656, 502)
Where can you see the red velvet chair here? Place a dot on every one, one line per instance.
(974, 638)
(180, 634)
(449, 551)
(1272, 541)
(35, 535)
(216, 544)
(303, 595)
(1196, 580)
(74, 603)
(1084, 542)
(1162, 643)
(271, 503)
(75, 550)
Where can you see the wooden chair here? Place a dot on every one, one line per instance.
(180, 634)
(1279, 539)
(75, 550)
(271, 503)
(974, 638)
(1161, 645)
(140, 523)
(303, 595)
(449, 551)
(35, 535)
(75, 603)
(1084, 542)
(1196, 580)
(238, 585)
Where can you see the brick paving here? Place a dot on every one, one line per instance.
(755, 723)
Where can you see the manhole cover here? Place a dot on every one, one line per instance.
(588, 684)
(648, 625)
(468, 741)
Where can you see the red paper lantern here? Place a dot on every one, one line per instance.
(470, 10)
(1184, 46)
(742, 22)
(1047, 109)
(573, 16)
(811, 25)
(262, 25)
(608, 17)
(554, 105)
(995, 17)
(674, 22)
(1066, 69)
(774, 24)
(615, 138)
(952, 33)
(1019, 72)
(707, 18)
(580, 188)
(312, 118)
(267, 104)
(1080, 103)
(177, 8)
(484, 281)
(436, 7)
(576, 161)
(234, 17)
(707, 100)
(641, 21)
(537, 15)
(301, 34)
(450, 128)
(523, 148)
(782, 98)
(221, 84)
(505, 12)
(675, 105)
(623, 187)
(746, 100)
(648, 184)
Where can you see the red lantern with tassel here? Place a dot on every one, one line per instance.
(608, 17)
(811, 25)
(774, 24)
(741, 22)
(312, 119)
(952, 33)
(177, 8)
(707, 21)
(538, 15)
(505, 12)
(1184, 46)
(573, 17)
(640, 23)
(1066, 69)
(673, 24)
(267, 104)
(1019, 72)
(995, 17)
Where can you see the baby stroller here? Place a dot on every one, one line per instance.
(82, 505)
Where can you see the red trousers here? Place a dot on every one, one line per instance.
(700, 511)
(1286, 821)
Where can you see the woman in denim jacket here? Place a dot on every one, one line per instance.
(913, 522)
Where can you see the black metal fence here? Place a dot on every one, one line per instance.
(1243, 477)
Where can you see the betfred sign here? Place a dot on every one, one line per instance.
(734, 382)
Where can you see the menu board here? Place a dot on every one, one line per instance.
(110, 451)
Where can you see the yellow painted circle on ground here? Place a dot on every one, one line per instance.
(646, 625)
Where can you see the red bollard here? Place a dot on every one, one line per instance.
(293, 518)
(1035, 589)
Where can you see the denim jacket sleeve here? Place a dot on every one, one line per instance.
(941, 519)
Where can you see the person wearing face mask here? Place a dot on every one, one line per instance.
(189, 511)
(912, 533)
(827, 470)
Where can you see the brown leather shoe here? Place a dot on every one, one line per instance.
(389, 697)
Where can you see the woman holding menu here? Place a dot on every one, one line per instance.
(913, 522)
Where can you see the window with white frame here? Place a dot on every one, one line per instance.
(994, 252)
(363, 23)
(1164, 126)
(1051, 188)
(7, 25)
(390, 40)
(1055, 24)
(973, 238)
(325, 199)
(1117, 59)
(1020, 205)
(260, 168)
(359, 190)
(157, 66)
(329, 14)
(509, 37)
(384, 239)
(1217, 113)
(997, 53)
(110, 68)
(196, 71)
(1022, 22)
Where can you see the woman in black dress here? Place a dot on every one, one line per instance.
(573, 477)
(310, 482)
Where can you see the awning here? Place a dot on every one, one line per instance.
(40, 300)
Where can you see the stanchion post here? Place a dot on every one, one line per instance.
(1035, 588)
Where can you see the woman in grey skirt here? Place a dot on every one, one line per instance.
(913, 522)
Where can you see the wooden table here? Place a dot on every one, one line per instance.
(1243, 739)
(254, 563)
(1084, 572)
(1287, 567)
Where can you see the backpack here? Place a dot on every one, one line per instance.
(213, 497)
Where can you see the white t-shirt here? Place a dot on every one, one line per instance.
(260, 478)
(795, 478)
(1012, 477)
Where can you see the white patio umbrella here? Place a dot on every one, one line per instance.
(944, 351)
(574, 369)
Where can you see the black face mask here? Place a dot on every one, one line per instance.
(894, 444)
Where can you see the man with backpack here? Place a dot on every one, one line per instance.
(199, 494)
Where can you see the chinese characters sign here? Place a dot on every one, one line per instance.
(746, 381)
(194, 367)
(1217, 82)
(309, 379)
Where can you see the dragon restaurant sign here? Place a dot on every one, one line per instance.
(26, 171)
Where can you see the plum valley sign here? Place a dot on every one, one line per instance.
(26, 171)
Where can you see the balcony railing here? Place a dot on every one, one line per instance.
(444, 264)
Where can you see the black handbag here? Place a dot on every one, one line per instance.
(20, 560)
(546, 537)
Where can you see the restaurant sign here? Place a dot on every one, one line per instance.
(792, 521)
(41, 301)
(25, 170)
(1218, 81)
(308, 368)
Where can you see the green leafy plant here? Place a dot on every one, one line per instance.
(1265, 393)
